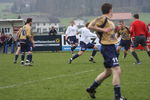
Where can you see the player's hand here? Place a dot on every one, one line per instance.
(107, 29)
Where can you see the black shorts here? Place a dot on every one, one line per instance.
(139, 40)
(85, 46)
(125, 43)
(26, 47)
(110, 56)
(72, 40)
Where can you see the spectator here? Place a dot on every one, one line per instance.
(10, 42)
(2, 41)
(53, 31)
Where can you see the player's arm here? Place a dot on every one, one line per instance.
(97, 22)
(18, 34)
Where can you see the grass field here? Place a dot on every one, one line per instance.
(51, 78)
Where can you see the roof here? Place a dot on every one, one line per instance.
(121, 16)
(11, 20)
(41, 18)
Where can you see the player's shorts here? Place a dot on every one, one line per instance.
(26, 46)
(18, 44)
(110, 56)
(85, 46)
(72, 39)
(125, 43)
(139, 40)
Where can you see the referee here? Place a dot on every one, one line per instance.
(139, 32)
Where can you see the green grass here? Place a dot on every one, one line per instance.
(51, 78)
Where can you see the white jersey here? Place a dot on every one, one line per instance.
(86, 34)
(71, 31)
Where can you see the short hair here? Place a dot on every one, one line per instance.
(29, 20)
(87, 24)
(106, 7)
(136, 16)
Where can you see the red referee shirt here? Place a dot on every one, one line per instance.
(138, 28)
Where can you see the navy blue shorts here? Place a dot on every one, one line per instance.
(26, 47)
(72, 39)
(86, 46)
(110, 56)
(125, 43)
(18, 43)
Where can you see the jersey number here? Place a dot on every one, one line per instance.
(23, 32)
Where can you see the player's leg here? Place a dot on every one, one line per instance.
(118, 51)
(74, 43)
(144, 44)
(17, 54)
(29, 54)
(100, 78)
(91, 59)
(23, 48)
(135, 44)
(76, 56)
(126, 48)
(116, 72)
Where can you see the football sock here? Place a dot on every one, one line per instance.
(22, 57)
(95, 85)
(16, 57)
(28, 59)
(135, 56)
(117, 92)
(75, 56)
(94, 53)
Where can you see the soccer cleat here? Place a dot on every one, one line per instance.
(138, 63)
(92, 60)
(91, 93)
(15, 62)
(122, 98)
(28, 64)
(70, 61)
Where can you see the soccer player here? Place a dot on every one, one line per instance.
(108, 40)
(71, 36)
(125, 38)
(139, 31)
(26, 42)
(84, 42)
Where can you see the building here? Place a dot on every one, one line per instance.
(121, 17)
(10, 26)
(43, 23)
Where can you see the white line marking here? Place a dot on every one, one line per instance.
(49, 78)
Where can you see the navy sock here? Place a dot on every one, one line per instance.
(94, 85)
(75, 56)
(135, 56)
(16, 57)
(117, 92)
(22, 57)
(28, 59)
(94, 53)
